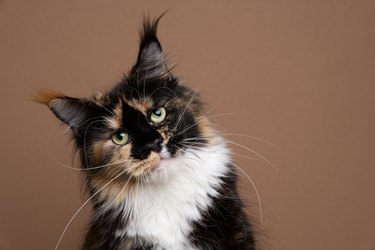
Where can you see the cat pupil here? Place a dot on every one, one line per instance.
(157, 112)
(120, 136)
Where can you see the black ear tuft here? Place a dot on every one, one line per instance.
(151, 61)
(148, 32)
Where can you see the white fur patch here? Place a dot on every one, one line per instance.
(162, 209)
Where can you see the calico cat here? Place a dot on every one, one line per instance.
(158, 173)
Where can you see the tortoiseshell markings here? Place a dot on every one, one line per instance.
(142, 106)
(115, 122)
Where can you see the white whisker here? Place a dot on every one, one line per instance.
(83, 205)
(117, 195)
(256, 153)
(256, 191)
(252, 137)
(84, 141)
(187, 105)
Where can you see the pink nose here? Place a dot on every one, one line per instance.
(164, 154)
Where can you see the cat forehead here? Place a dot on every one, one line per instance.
(138, 105)
(142, 105)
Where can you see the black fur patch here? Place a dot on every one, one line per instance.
(225, 225)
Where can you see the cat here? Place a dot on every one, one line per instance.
(157, 171)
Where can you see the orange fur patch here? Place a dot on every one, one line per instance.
(205, 127)
(98, 149)
(46, 96)
(145, 166)
(164, 135)
(98, 98)
(115, 173)
(142, 106)
(120, 161)
(115, 121)
(119, 188)
(116, 191)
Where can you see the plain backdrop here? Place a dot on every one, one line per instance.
(291, 81)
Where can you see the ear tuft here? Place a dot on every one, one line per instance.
(151, 61)
(46, 96)
(148, 32)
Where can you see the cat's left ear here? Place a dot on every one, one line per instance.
(73, 112)
(151, 61)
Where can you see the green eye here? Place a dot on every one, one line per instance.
(158, 115)
(120, 138)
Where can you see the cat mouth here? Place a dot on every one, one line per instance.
(164, 153)
(164, 159)
(153, 164)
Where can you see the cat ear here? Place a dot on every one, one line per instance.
(151, 61)
(71, 111)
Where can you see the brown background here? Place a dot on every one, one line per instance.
(298, 74)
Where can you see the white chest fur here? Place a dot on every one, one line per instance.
(162, 211)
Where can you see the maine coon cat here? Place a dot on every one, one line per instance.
(157, 172)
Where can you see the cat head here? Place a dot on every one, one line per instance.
(146, 121)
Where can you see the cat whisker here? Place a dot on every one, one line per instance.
(109, 111)
(149, 184)
(243, 156)
(168, 94)
(221, 114)
(71, 167)
(202, 120)
(256, 153)
(252, 137)
(122, 189)
(192, 141)
(187, 105)
(186, 129)
(201, 144)
(84, 140)
(83, 205)
(256, 191)
(80, 169)
(240, 135)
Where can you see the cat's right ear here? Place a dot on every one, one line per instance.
(151, 62)
(73, 112)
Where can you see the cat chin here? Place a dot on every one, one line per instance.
(168, 168)
(164, 170)
(165, 159)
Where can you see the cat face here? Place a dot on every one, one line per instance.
(143, 126)
(145, 122)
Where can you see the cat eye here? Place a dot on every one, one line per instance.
(158, 115)
(120, 137)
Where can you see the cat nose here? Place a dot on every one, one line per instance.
(155, 145)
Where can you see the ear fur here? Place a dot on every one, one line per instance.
(71, 111)
(151, 61)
